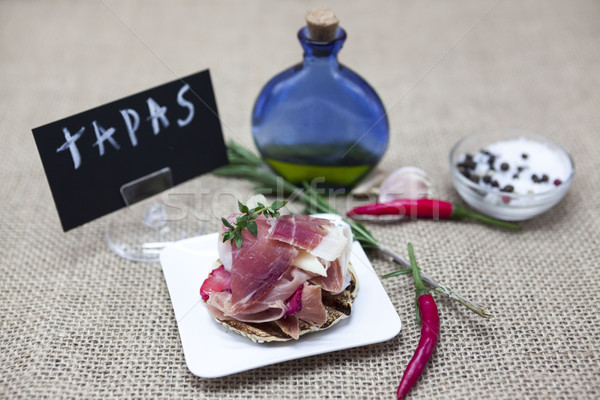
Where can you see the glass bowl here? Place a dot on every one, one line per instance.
(505, 205)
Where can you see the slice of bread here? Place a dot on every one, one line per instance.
(338, 307)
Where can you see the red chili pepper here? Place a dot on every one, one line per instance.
(430, 330)
(426, 208)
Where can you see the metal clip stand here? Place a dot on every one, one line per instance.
(141, 231)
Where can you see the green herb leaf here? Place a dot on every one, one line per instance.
(226, 223)
(404, 271)
(252, 228)
(243, 208)
(277, 204)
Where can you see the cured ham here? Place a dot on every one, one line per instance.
(276, 303)
(284, 288)
(257, 266)
(279, 274)
(318, 236)
(312, 310)
(219, 280)
(218, 305)
(337, 277)
(290, 326)
(334, 281)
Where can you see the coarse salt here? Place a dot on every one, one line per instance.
(521, 166)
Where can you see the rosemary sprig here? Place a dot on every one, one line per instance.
(246, 220)
(441, 289)
(245, 164)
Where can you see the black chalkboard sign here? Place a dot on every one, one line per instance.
(87, 157)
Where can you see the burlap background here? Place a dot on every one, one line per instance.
(79, 322)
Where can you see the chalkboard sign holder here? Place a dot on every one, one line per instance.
(88, 156)
(139, 231)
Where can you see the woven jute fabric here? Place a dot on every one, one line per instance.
(77, 321)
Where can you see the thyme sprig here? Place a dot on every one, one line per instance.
(246, 220)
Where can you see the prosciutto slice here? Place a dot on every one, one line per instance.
(334, 281)
(219, 306)
(337, 277)
(273, 305)
(318, 236)
(312, 311)
(282, 289)
(290, 326)
(257, 266)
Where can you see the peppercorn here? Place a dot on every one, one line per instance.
(474, 178)
(487, 179)
(524, 156)
(507, 189)
(504, 166)
(516, 176)
(535, 178)
(545, 178)
(520, 169)
(470, 164)
(495, 184)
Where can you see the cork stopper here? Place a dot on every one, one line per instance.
(322, 25)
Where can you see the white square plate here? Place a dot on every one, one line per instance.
(212, 351)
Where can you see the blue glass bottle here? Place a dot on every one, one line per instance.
(320, 119)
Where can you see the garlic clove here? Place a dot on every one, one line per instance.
(406, 183)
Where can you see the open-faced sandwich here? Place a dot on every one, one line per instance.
(291, 278)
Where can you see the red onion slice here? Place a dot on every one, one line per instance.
(294, 303)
